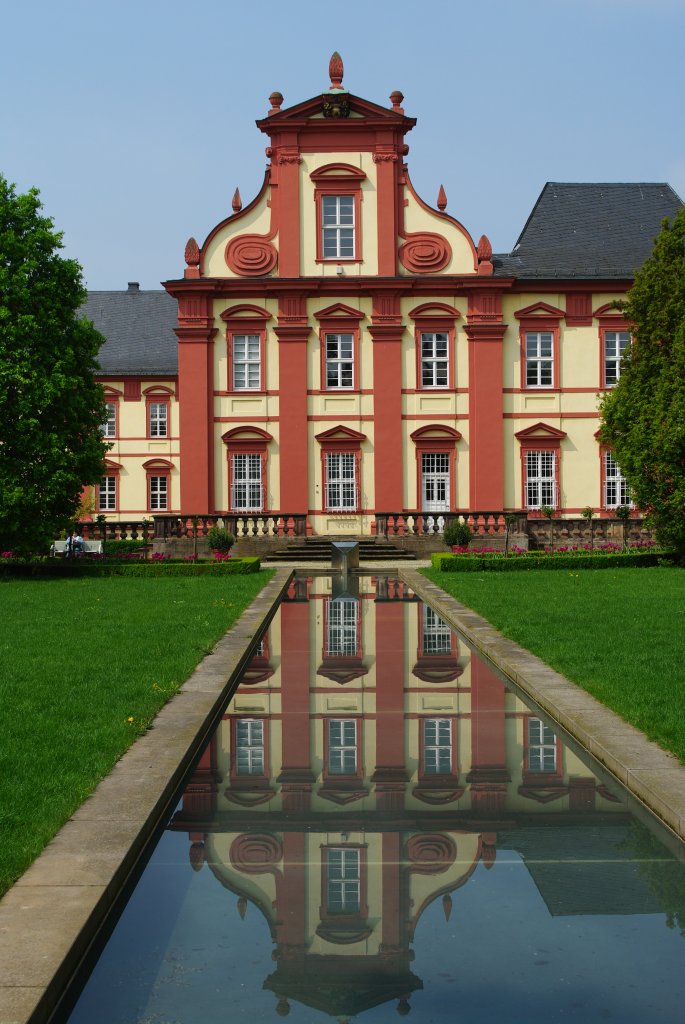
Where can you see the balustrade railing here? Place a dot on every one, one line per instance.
(483, 524)
(240, 524)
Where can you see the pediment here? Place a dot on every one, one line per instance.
(541, 309)
(340, 433)
(247, 311)
(158, 464)
(435, 430)
(312, 109)
(336, 171)
(246, 433)
(339, 309)
(433, 311)
(541, 431)
(112, 465)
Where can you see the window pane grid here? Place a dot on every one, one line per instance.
(616, 489)
(542, 747)
(341, 638)
(615, 344)
(338, 227)
(246, 486)
(339, 361)
(437, 635)
(344, 881)
(342, 747)
(158, 419)
(109, 427)
(341, 482)
(434, 360)
(246, 362)
(159, 489)
(437, 746)
(541, 485)
(107, 496)
(250, 747)
(539, 360)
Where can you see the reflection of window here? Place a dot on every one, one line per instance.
(542, 747)
(246, 483)
(338, 227)
(341, 481)
(107, 494)
(246, 362)
(339, 360)
(437, 746)
(434, 359)
(541, 483)
(249, 747)
(616, 490)
(342, 746)
(341, 623)
(437, 635)
(539, 359)
(615, 344)
(343, 876)
(109, 427)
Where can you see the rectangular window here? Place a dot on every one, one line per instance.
(159, 493)
(341, 633)
(343, 877)
(435, 481)
(109, 427)
(249, 736)
(341, 482)
(107, 494)
(339, 361)
(434, 356)
(539, 359)
(159, 419)
(337, 214)
(615, 344)
(542, 747)
(437, 635)
(616, 490)
(541, 483)
(246, 483)
(437, 746)
(247, 374)
(342, 746)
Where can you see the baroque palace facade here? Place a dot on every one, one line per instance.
(338, 350)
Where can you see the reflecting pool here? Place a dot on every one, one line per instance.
(378, 827)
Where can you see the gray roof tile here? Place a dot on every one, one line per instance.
(139, 330)
(589, 230)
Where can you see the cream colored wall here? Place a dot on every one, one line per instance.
(256, 221)
(132, 447)
(369, 216)
(419, 218)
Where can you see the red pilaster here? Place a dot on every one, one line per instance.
(296, 776)
(489, 775)
(293, 334)
(386, 186)
(485, 332)
(285, 190)
(195, 334)
(390, 774)
(387, 413)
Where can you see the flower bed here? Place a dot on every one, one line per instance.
(604, 556)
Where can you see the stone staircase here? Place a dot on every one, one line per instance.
(318, 549)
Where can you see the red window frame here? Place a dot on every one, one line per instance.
(240, 320)
(339, 441)
(437, 777)
(158, 395)
(536, 319)
(252, 779)
(112, 469)
(333, 778)
(531, 776)
(436, 438)
(608, 322)
(607, 511)
(112, 398)
(338, 180)
(360, 915)
(340, 319)
(433, 318)
(247, 441)
(541, 438)
(158, 468)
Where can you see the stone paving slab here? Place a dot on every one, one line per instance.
(652, 775)
(49, 919)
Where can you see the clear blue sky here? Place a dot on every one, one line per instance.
(135, 118)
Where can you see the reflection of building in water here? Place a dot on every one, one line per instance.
(365, 767)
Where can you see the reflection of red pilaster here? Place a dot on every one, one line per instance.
(199, 798)
(296, 775)
(486, 440)
(292, 389)
(390, 774)
(489, 775)
(391, 907)
(291, 897)
(387, 416)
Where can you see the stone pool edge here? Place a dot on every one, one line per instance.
(51, 916)
(653, 776)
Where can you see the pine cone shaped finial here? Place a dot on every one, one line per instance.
(336, 70)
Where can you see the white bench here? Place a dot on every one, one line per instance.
(90, 547)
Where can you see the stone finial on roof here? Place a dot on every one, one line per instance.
(336, 70)
(275, 99)
(396, 98)
(237, 202)
(192, 253)
(442, 199)
(484, 254)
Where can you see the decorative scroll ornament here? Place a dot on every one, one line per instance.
(251, 255)
(237, 202)
(256, 853)
(431, 853)
(192, 253)
(425, 253)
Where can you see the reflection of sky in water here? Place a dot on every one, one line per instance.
(562, 924)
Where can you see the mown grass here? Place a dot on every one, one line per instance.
(620, 634)
(85, 664)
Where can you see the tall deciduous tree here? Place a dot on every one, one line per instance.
(643, 417)
(50, 406)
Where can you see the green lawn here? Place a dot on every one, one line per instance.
(85, 664)
(620, 634)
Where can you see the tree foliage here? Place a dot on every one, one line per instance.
(643, 417)
(50, 406)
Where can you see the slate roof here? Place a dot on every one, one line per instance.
(593, 230)
(139, 330)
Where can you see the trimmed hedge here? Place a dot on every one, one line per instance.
(522, 563)
(61, 568)
(114, 548)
